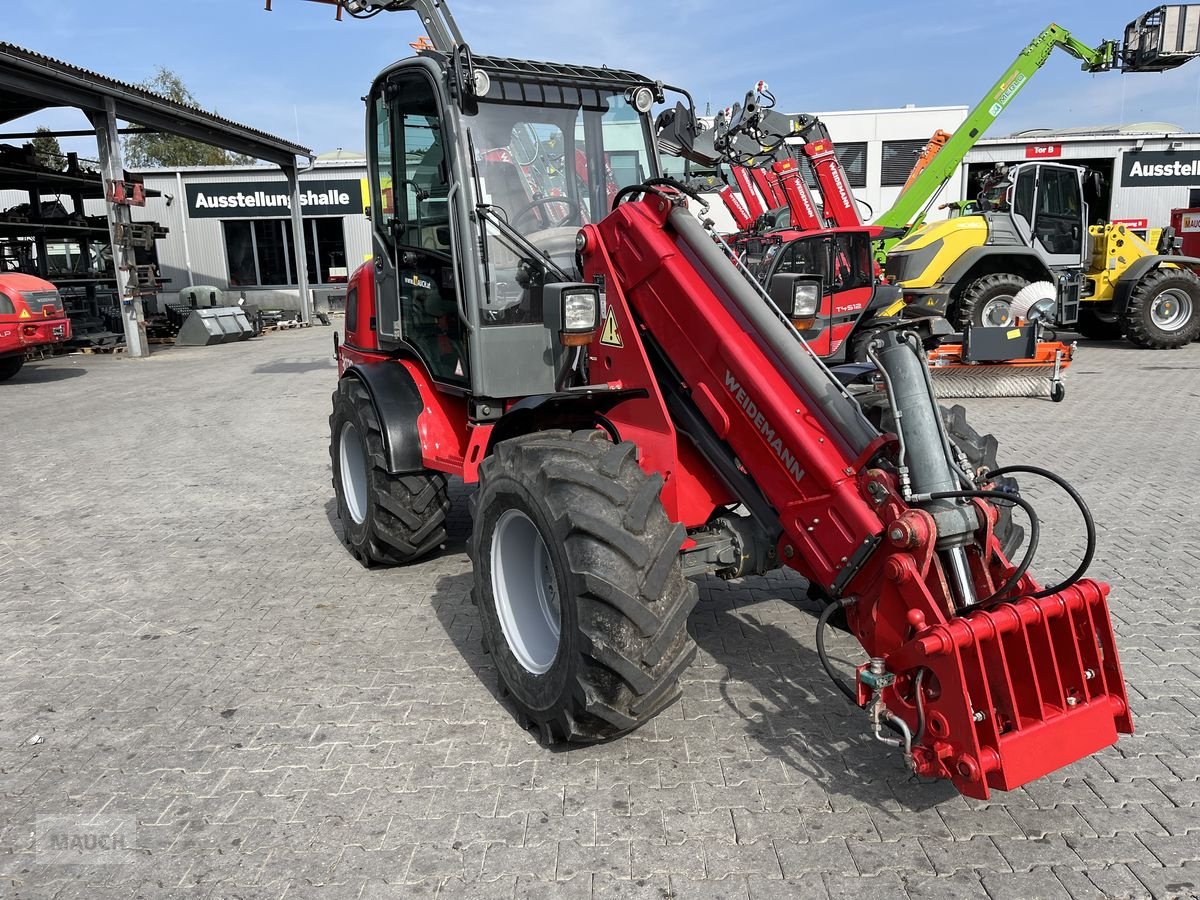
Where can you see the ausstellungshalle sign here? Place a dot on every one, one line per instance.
(265, 200)
(1156, 168)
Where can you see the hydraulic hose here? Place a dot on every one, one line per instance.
(919, 701)
(823, 655)
(1088, 523)
(1035, 529)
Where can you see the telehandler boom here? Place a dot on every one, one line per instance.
(545, 317)
(1154, 42)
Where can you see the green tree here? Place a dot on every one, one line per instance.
(47, 149)
(170, 150)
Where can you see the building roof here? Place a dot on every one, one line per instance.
(31, 81)
(1108, 131)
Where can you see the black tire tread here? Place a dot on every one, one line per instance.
(408, 512)
(975, 292)
(633, 601)
(1135, 319)
(10, 366)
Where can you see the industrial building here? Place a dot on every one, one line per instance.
(228, 227)
(1148, 169)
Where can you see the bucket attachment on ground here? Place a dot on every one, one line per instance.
(219, 325)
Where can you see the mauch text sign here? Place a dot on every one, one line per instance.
(265, 200)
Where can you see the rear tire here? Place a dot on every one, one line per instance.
(568, 527)
(987, 301)
(10, 366)
(1094, 328)
(1164, 310)
(386, 519)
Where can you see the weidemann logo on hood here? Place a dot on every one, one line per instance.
(760, 422)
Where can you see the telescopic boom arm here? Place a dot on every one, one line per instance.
(910, 208)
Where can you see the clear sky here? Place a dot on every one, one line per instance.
(297, 73)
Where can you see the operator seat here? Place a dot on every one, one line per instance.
(505, 186)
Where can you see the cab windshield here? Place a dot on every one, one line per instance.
(546, 168)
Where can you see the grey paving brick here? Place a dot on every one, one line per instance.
(667, 859)
(576, 859)
(800, 860)
(879, 887)
(1038, 884)
(977, 854)
(953, 887)
(1170, 882)
(906, 855)
(605, 887)
(742, 859)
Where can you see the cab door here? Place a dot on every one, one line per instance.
(416, 278)
(1060, 217)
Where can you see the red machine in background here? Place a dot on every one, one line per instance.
(780, 186)
(31, 316)
(1186, 223)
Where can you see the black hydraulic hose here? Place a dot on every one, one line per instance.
(823, 621)
(646, 187)
(1089, 524)
(637, 189)
(1035, 529)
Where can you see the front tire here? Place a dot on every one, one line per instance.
(578, 583)
(10, 366)
(1164, 310)
(386, 519)
(987, 301)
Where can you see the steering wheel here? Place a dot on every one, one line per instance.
(573, 210)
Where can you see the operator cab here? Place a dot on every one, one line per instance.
(1045, 205)
(483, 170)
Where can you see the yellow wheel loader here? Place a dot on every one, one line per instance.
(1030, 254)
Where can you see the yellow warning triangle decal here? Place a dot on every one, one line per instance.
(611, 335)
(24, 314)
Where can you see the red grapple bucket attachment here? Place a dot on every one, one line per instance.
(1019, 690)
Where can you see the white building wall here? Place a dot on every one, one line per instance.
(876, 126)
(1152, 203)
(194, 251)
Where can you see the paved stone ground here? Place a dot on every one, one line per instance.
(228, 706)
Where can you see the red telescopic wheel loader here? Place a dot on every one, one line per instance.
(545, 317)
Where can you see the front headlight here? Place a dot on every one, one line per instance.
(580, 311)
(806, 297)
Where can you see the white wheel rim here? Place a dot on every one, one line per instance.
(352, 459)
(1171, 310)
(525, 591)
(997, 312)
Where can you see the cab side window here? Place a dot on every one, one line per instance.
(415, 217)
(7, 308)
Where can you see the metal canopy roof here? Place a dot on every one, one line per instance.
(30, 82)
